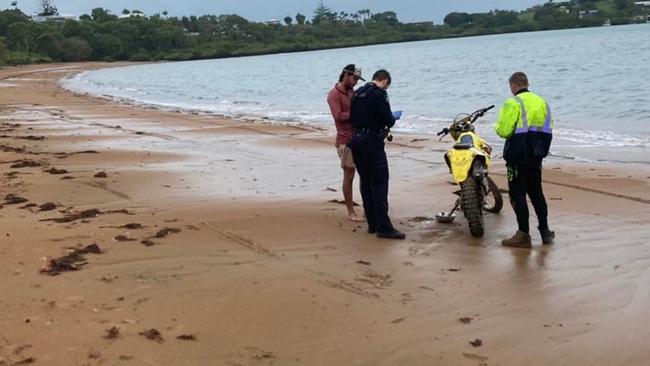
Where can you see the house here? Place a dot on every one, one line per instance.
(273, 22)
(54, 18)
(642, 3)
(421, 24)
(587, 13)
(133, 14)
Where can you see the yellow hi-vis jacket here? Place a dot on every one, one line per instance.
(526, 123)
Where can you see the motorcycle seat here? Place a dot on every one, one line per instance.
(462, 146)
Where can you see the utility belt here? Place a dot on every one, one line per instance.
(371, 131)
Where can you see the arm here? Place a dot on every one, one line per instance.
(384, 112)
(335, 109)
(508, 117)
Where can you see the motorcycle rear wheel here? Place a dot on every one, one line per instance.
(471, 201)
(493, 201)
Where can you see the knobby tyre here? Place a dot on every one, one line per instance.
(472, 205)
(493, 198)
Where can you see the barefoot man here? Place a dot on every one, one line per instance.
(339, 102)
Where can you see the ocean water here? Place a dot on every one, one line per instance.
(596, 80)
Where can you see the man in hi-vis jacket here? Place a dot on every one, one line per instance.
(526, 124)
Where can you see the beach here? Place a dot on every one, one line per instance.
(217, 242)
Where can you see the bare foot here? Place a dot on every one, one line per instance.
(354, 218)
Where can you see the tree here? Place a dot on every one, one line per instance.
(364, 14)
(14, 4)
(126, 12)
(388, 17)
(455, 19)
(287, 20)
(323, 14)
(102, 15)
(74, 49)
(300, 19)
(48, 8)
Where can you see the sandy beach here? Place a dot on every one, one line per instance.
(219, 245)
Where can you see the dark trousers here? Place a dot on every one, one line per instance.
(526, 179)
(372, 165)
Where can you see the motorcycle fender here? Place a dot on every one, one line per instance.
(461, 163)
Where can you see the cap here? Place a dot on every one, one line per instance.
(352, 69)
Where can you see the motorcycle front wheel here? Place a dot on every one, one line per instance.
(493, 200)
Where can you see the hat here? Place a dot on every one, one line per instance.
(352, 69)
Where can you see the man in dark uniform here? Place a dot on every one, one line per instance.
(371, 118)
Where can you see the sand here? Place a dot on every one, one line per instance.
(259, 268)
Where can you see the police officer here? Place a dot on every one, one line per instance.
(526, 124)
(371, 119)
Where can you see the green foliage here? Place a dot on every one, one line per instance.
(103, 36)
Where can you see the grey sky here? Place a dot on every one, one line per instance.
(407, 10)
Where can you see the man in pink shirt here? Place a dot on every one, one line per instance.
(339, 102)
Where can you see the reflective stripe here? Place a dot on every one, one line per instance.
(524, 117)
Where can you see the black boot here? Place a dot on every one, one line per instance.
(547, 236)
(395, 234)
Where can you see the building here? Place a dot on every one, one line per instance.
(642, 3)
(273, 22)
(54, 18)
(587, 13)
(133, 14)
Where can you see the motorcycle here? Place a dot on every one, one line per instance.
(468, 161)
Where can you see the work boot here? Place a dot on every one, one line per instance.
(519, 240)
(395, 234)
(547, 236)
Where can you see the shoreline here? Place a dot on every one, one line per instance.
(264, 270)
(572, 143)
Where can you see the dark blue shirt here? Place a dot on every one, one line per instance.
(370, 108)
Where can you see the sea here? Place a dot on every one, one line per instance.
(596, 80)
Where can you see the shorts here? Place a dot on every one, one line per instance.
(345, 154)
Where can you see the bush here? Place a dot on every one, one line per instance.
(74, 49)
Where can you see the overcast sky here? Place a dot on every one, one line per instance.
(407, 10)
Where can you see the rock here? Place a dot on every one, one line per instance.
(47, 206)
(101, 175)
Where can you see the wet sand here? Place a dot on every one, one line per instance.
(259, 268)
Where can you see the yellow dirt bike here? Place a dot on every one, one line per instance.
(469, 160)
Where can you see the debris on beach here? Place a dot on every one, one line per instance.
(12, 199)
(72, 261)
(166, 231)
(112, 333)
(132, 226)
(101, 174)
(27, 206)
(123, 238)
(47, 206)
(476, 343)
(153, 334)
(147, 243)
(86, 214)
(365, 263)
(187, 337)
(454, 269)
(30, 137)
(26, 164)
(466, 320)
(55, 171)
(26, 361)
